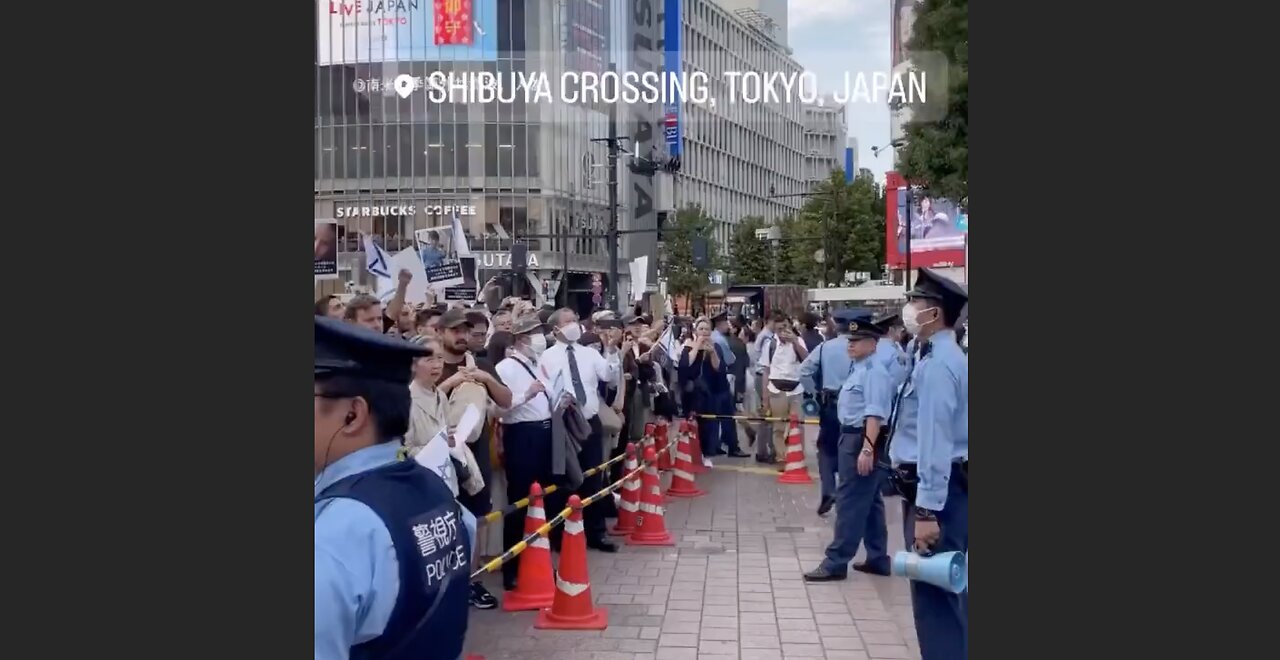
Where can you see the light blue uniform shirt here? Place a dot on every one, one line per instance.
(357, 573)
(835, 365)
(893, 358)
(867, 392)
(933, 419)
(726, 353)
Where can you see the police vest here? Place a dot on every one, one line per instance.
(429, 620)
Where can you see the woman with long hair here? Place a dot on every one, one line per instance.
(703, 377)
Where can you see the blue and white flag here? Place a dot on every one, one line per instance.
(376, 262)
(460, 239)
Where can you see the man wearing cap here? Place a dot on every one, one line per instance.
(454, 335)
(863, 406)
(392, 547)
(929, 449)
(824, 372)
(526, 432)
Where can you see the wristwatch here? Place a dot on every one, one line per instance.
(925, 514)
(867, 451)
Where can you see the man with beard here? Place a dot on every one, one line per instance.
(463, 371)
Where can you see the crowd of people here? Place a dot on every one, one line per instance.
(560, 394)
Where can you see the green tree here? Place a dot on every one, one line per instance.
(936, 153)
(749, 256)
(682, 278)
(843, 220)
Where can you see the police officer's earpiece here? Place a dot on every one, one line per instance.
(351, 417)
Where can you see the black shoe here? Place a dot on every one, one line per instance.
(825, 507)
(602, 545)
(738, 453)
(710, 454)
(821, 574)
(481, 599)
(873, 568)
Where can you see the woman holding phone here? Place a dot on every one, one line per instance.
(703, 377)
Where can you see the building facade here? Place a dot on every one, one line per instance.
(522, 166)
(736, 154)
(770, 16)
(901, 22)
(826, 131)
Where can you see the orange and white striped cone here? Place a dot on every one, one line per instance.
(629, 503)
(535, 582)
(795, 471)
(683, 483)
(695, 443)
(661, 446)
(572, 608)
(651, 527)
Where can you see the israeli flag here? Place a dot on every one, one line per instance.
(377, 262)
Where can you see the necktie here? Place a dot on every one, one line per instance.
(579, 392)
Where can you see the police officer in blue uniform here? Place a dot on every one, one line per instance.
(392, 546)
(863, 407)
(929, 449)
(889, 352)
(829, 363)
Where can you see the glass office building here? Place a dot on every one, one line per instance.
(387, 165)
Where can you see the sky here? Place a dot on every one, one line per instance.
(832, 37)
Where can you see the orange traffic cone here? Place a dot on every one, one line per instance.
(629, 503)
(695, 442)
(651, 527)
(795, 472)
(572, 608)
(660, 446)
(682, 480)
(535, 583)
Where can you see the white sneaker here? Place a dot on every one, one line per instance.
(706, 462)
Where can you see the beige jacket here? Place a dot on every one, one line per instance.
(428, 415)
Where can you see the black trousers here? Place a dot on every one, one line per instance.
(527, 459)
(591, 455)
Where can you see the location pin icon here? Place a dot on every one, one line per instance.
(404, 85)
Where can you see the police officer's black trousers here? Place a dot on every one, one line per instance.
(942, 618)
(526, 458)
(591, 455)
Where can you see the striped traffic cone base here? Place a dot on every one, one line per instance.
(795, 471)
(572, 608)
(651, 527)
(629, 503)
(683, 483)
(695, 441)
(535, 583)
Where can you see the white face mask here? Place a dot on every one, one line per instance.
(538, 343)
(571, 332)
(911, 318)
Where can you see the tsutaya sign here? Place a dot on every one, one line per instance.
(502, 260)
(402, 210)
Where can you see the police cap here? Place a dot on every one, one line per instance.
(948, 295)
(866, 330)
(844, 318)
(346, 349)
(719, 316)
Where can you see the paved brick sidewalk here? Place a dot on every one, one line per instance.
(731, 588)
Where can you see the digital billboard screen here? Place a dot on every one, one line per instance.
(939, 227)
(368, 31)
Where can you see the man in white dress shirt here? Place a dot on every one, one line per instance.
(526, 432)
(577, 371)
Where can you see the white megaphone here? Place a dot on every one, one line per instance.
(948, 570)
